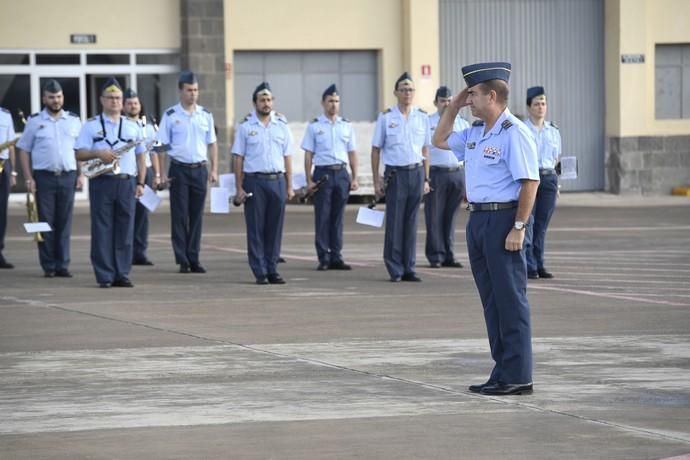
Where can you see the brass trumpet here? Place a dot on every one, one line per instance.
(32, 213)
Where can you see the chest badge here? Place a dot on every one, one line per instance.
(320, 133)
(471, 145)
(41, 126)
(253, 133)
(393, 125)
(492, 151)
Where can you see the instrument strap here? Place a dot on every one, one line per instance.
(119, 133)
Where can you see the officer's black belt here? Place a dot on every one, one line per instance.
(546, 172)
(115, 176)
(189, 165)
(266, 176)
(405, 167)
(445, 168)
(52, 173)
(336, 167)
(475, 207)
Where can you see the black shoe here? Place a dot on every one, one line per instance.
(411, 277)
(478, 388)
(507, 389)
(49, 274)
(395, 279)
(435, 264)
(323, 266)
(197, 268)
(261, 280)
(275, 278)
(533, 275)
(64, 273)
(184, 268)
(339, 265)
(452, 264)
(281, 260)
(105, 285)
(544, 274)
(123, 282)
(5, 264)
(143, 261)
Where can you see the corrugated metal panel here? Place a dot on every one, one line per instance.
(558, 44)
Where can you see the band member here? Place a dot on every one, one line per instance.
(8, 177)
(133, 111)
(263, 167)
(112, 196)
(50, 167)
(187, 135)
(402, 138)
(329, 144)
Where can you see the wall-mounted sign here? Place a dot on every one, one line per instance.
(426, 70)
(82, 39)
(632, 58)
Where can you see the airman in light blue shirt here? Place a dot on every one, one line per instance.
(548, 139)
(263, 147)
(402, 138)
(329, 141)
(51, 140)
(186, 136)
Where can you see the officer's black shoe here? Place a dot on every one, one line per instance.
(452, 264)
(339, 265)
(323, 266)
(411, 277)
(197, 268)
(507, 389)
(184, 268)
(123, 282)
(480, 387)
(49, 274)
(435, 264)
(143, 261)
(105, 285)
(533, 275)
(261, 280)
(5, 264)
(275, 278)
(544, 274)
(64, 273)
(281, 260)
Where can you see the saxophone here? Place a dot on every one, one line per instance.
(32, 213)
(96, 167)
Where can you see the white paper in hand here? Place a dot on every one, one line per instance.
(220, 200)
(371, 217)
(227, 181)
(33, 227)
(149, 199)
(568, 167)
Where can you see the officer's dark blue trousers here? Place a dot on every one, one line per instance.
(187, 199)
(440, 209)
(4, 198)
(112, 226)
(403, 197)
(544, 205)
(55, 202)
(264, 214)
(329, 208)
(501, 279)
(141, 224)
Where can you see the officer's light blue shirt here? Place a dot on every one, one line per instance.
(150, 136)
(263, 147)
(495, 162)
(188, 135)
(401, 140)
(329, 141)
(6, 131)
(51, 140)
(92, 137)
(441, 157)
(548, 143)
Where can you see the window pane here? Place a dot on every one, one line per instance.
(57, 59)
(14, 59)
(15, 95)
(107, 59)
(157, 93)
(158, 59)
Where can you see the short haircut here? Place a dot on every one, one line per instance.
(499, 87)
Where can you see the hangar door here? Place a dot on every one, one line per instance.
(558, 44)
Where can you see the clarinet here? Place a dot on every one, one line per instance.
(386, 181)
(309, 193)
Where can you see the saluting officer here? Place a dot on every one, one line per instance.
(133, 110)
(47, 148)
(502, 179)
(263, 167)
(402, 137)
(447, 180)
(112, 196)
(329, 144)
(8, 177)
(549, 149)
(187, 133)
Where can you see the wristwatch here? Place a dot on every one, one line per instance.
(519, 225)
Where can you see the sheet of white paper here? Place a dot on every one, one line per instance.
(33, 227)
(149, 199)
(220, 200)
(371, 217)
(299, 180)
(227, 181)
(568, 167)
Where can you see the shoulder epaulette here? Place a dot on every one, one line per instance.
(421, 110)
(506, 124)
(388, 110)
(281, 117)
(34, 114)
(93, 118)
(315, 120)
(71, 114)
(205, 110)
(5, 110)
(478, 123)
(345, 120)
(554, 125)
(170, 112)
(249, 115)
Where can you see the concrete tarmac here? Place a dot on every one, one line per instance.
(346, 364)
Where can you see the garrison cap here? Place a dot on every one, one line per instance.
(404, 78)
(52, 86)
(263, 89)
(443, 91)
(533, 92)
(188, 77)
(130, 94)
(111, 85)
(330, 91)
(478, 73)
